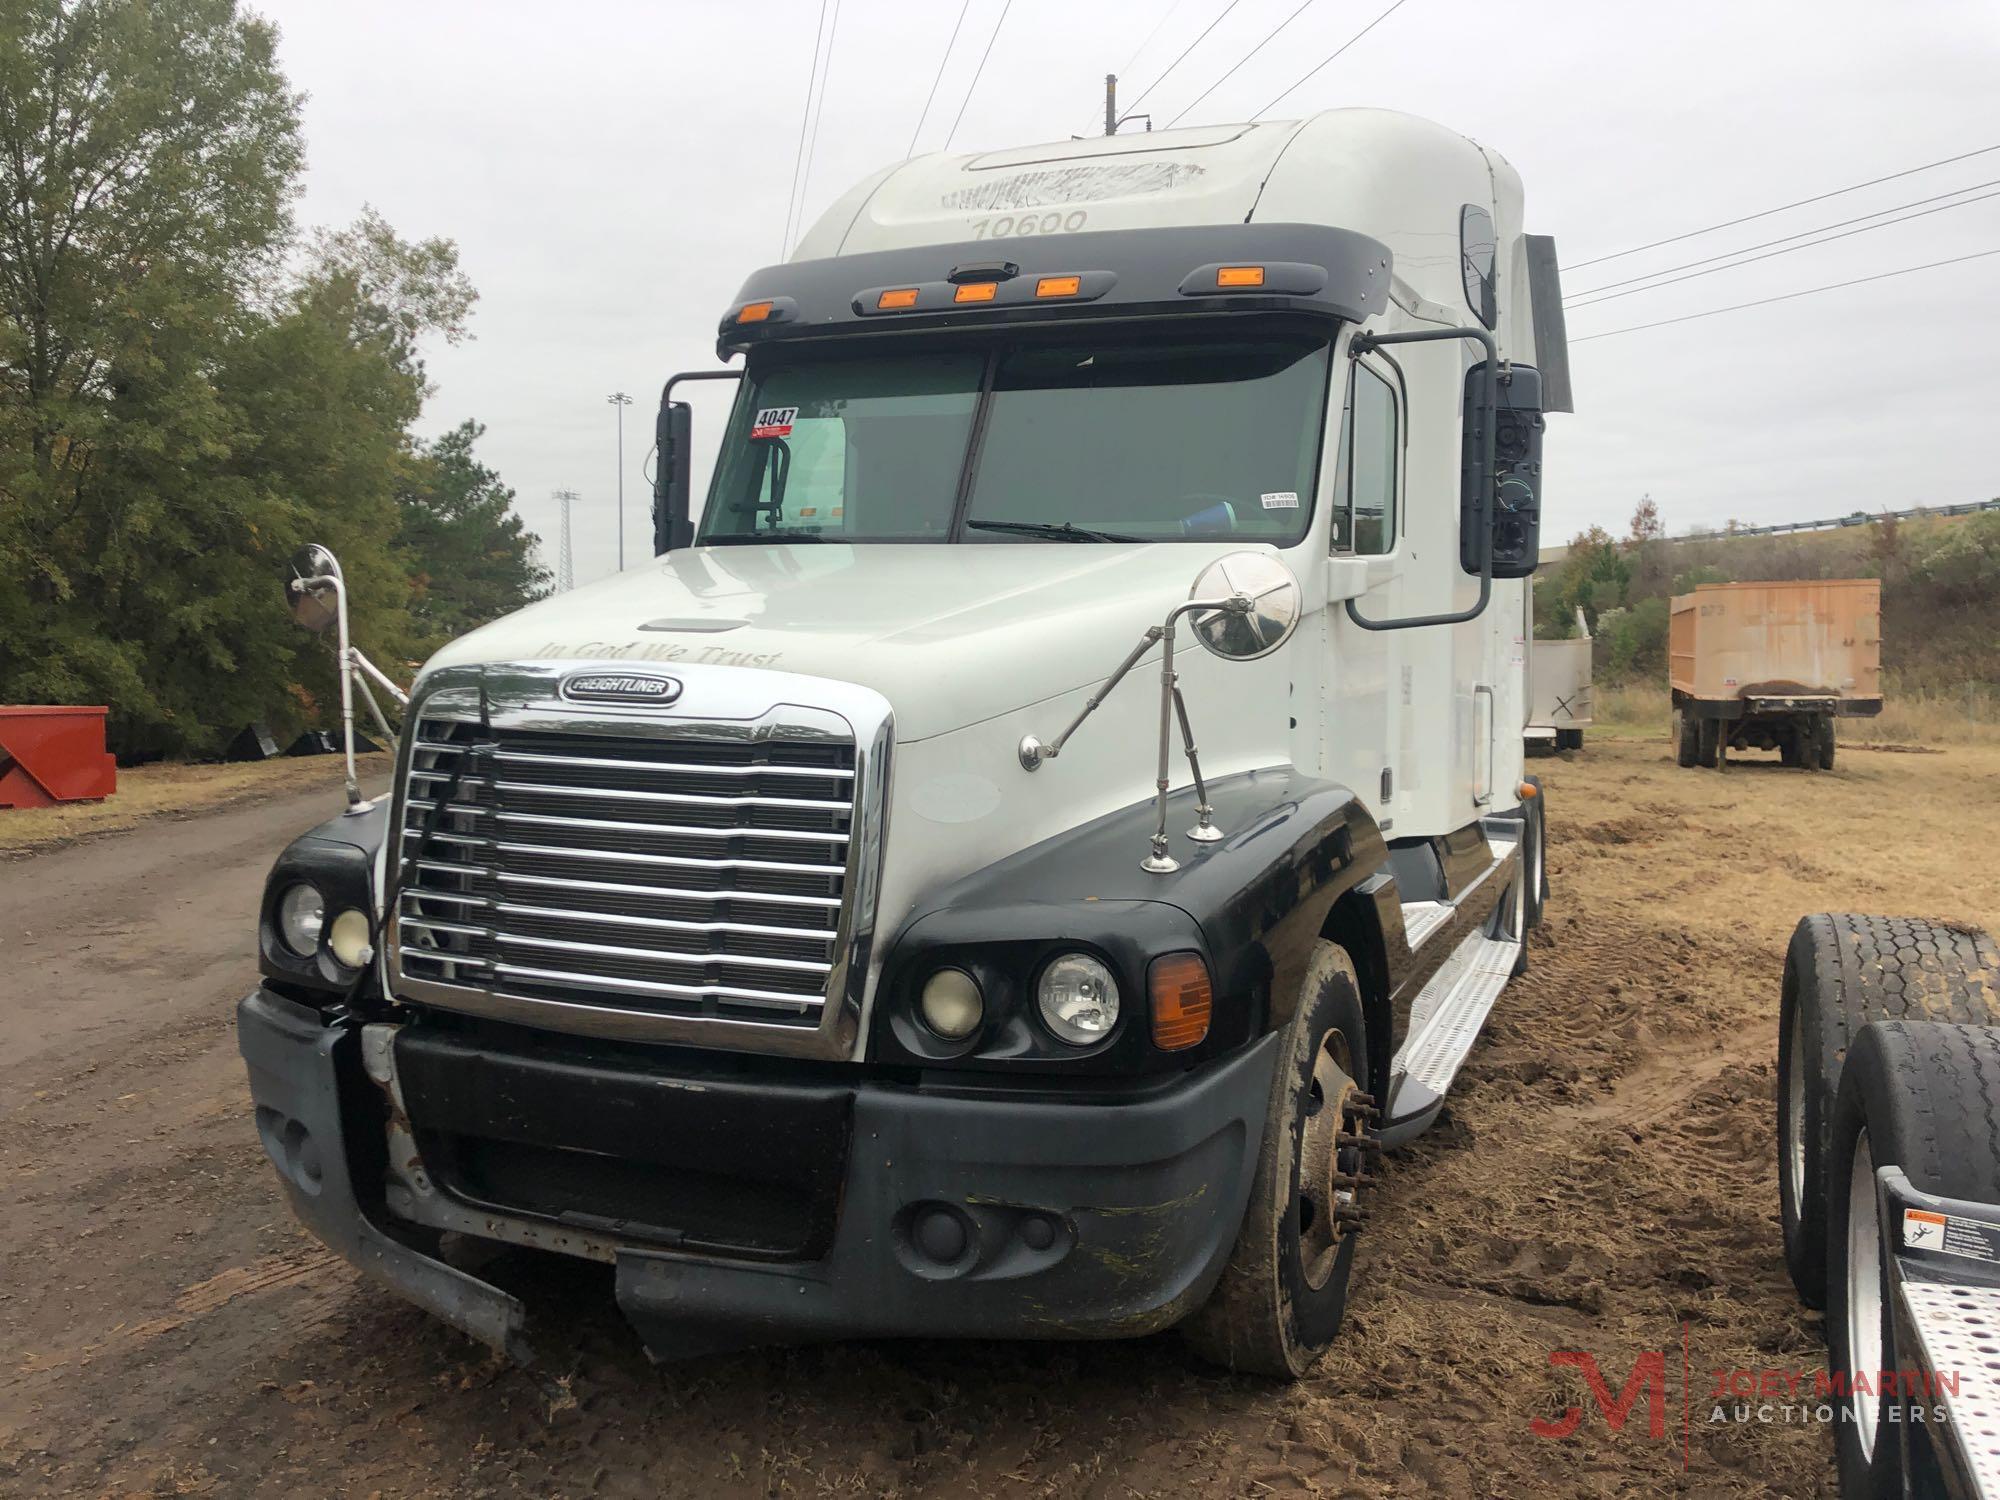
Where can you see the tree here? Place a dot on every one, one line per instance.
(473, 560)
(1646, 523)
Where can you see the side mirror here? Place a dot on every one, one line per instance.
(673, 526)
(1272, 612)
(1513, 487)
(312, 587)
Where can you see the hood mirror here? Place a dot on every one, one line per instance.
(1242, 606)
(317, 593)
(1236, 633)
(314, 600)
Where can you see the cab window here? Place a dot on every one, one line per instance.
(1364, 494)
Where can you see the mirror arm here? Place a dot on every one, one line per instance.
(1033, 752)
(381, 719)
(1361, 343)
(379, 675)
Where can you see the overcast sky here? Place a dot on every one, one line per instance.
(611, 171)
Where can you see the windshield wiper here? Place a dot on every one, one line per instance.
(779, 534)
(1065, 532)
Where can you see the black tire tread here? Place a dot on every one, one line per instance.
(1848, 970)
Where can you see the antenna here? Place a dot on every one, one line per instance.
(565, 561)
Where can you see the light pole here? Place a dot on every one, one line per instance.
(620, 400)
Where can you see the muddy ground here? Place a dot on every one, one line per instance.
(1604, 1175)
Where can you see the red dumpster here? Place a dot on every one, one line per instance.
(53, 753)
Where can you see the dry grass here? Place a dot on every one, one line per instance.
(170, 791)
(1638, 711)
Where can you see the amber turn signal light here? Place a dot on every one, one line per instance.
(1058, 286)
(754, 312)
(976, 291)
(1182, 1000)
(901, 297)
(1240, 276)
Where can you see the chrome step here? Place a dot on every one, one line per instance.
(1954, 1323)
(1445, 1020)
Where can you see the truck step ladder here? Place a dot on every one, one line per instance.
(1448, 1013)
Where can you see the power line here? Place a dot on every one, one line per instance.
(1787, 296)
(936, 79)
(799, 156)
(1781, 239)
(819, 114)
(1675, 239)
(1269, 37)
(977, 73)
(1770, 254)
(1184, 52)
(1336, 53)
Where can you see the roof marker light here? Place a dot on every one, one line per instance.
(1239, 276)
(976, 291)
(900, 297)
(1058, 286)
(753, 312)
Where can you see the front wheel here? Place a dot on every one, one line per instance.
(1284, 1292)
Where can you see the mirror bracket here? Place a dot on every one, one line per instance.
(316, 576)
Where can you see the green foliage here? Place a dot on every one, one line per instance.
(1594, 577)
(473, 559)
(176, 414)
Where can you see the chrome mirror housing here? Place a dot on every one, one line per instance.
(1275, 606)
(312, 587)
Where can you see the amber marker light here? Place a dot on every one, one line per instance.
(976, 291)
(901, 297)
(754, 312)
(1240, 276)
(1182, 1000)
(1058, 286)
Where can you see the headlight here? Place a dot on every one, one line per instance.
(1078, 999)
(953, 1006)
(301, 916)
(347, 938)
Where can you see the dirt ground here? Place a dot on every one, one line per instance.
(1603, 1177)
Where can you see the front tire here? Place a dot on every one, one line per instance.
(1283, 1294)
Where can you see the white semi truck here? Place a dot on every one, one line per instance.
(832, 925)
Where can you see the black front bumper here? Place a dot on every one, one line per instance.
(959, 1214)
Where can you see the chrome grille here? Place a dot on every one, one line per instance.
(674, 874)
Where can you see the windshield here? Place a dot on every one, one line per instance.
(1083, 437)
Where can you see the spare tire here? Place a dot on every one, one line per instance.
(1925, 1097)
(1841, 972)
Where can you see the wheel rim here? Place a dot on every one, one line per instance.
(1331, 1175)
(1795, 1116)
(1864, 1296)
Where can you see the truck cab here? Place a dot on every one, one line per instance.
(1048, 817)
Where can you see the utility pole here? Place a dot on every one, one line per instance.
(620, 400)
(1111, 104)
(565, 565)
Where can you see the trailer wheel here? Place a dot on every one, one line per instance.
(1823, 741)
(1687, 738)
(1711, 743)
(1841, 972)
(1284, 1291)
(1925, 1097)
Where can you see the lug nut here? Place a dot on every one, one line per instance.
(1347, 1141)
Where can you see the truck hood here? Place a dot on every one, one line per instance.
(950, 635)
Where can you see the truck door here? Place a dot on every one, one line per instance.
(1362, 713)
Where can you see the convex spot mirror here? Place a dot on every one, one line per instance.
(1273, 598)
(314, 608)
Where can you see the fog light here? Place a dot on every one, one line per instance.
(347, 938)
(1078, 999)
(301, 917)
(953, 1006)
